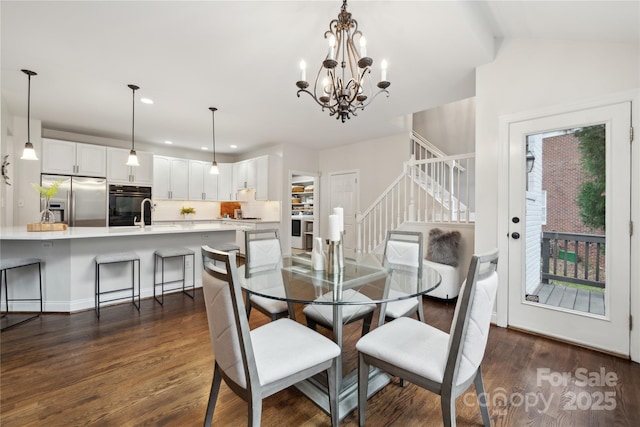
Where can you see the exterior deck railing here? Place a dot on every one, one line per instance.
(574, 258)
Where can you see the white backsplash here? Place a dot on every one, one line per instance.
(169, 210)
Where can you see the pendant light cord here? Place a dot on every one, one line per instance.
(213, 121)
(29, 109)
(133, 117)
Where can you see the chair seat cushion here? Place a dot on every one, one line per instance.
(284, 347)
(171, 252)
(402, 307)
(323, 313)
(116, 257)
(270, 305)
(17, 262)
(410, 345)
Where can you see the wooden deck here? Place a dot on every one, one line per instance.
(571, 298)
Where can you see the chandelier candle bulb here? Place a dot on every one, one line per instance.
(383, 71)
(363, 47)
(303, 71)
(332, 47)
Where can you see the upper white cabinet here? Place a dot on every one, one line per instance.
(73, 158)
(119, 172)
(244, 174)
(226, 190)
(202, 185)
(171, 178)
(267, 170)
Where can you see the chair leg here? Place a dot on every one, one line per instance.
(255, 411)
(332, 376)
(312, 324)
(366, 323)
(448, 404)
(420, 309)
(363, 387)
(482, 398)
(247, 303)
(213, 395)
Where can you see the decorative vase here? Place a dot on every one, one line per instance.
(46, 216)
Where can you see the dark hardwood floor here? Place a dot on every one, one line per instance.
(155, 368)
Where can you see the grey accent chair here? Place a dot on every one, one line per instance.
(256, 364)
(263, 254)
(403, 254)
(442, 363)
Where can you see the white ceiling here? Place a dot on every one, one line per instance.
(242, 57)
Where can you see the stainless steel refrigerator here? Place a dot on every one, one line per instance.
(80, 201)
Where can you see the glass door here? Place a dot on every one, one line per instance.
(569, 212)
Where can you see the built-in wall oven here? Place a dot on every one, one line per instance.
(124, 204)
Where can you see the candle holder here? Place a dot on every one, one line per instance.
(335, 256)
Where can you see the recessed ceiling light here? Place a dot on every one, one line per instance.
(146, 100)
(205, 148)
(168, 142)
(233, 146)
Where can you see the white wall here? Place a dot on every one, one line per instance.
(529, 75)
(450, 127)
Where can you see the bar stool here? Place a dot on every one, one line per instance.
(9, 264)
(227, 247)
(128, 257)
(161, 255)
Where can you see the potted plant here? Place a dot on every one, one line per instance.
(46, 216)
(186, 211)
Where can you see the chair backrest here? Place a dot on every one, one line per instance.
(263, 251)
(471, 321)
(403, 254)
(228, 325)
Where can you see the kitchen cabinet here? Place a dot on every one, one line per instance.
(244, 174)
(268, 183)
(226, 190)
(73, 158)
(171, 178)
(119, 173)
(202, 185)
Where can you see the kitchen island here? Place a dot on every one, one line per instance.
(68, 256)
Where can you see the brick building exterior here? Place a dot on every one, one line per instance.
(561, 178)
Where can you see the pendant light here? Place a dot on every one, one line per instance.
(214, 166)
(29, 153)
(133, 158)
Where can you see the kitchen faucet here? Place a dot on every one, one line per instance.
(141, 223)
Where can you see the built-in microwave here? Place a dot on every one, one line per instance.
(124, 204)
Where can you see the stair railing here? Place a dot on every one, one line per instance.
(437, 189)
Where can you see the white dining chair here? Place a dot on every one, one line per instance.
(442, 363)
(256, 364)
(263, 254)
(403, 255)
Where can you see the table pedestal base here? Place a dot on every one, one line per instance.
(316, 390)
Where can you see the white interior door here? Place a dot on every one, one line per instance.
(580, 310)
(343, 192)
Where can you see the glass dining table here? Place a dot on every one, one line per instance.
(364, 280)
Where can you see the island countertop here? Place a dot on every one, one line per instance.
(21, 233)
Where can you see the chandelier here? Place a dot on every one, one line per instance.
(344, 84)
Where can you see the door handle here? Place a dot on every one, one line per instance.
(515, 235)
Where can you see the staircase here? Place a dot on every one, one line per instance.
(433, 187)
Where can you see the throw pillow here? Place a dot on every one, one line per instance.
(443, 247)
